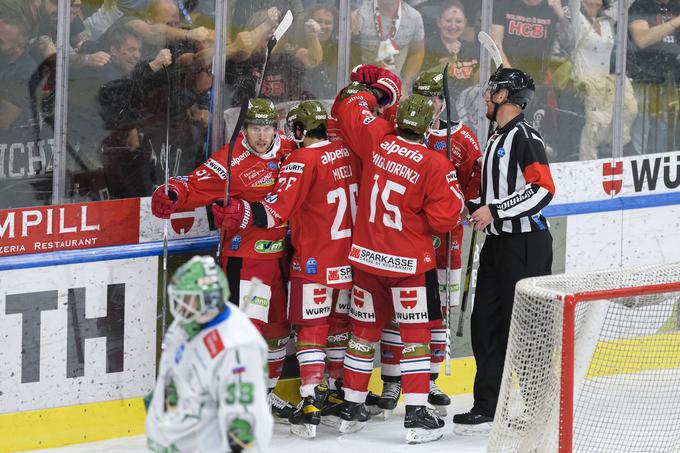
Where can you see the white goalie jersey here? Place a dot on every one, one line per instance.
(210, 395)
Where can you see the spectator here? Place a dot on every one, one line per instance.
(37, 17)
(118, 90)
(654, 67)
(391, 35)
(593, 38)
(450, 46)
(283, 80)
(525, 31)
(321, 82)
(15, 67)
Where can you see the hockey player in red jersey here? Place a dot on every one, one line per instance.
(257, 253)
(464, 154)
(407, 193)
(317, 193)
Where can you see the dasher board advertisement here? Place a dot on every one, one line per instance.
(77, 333)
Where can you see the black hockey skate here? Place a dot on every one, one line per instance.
(281, 409)
(330, 412)
(471, 423)
(422, 425)
(354, 417)
(389, 397)
(372, 404)
(307, 416)
(438, 399)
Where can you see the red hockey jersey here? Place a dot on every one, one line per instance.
(464, 152)
(407, 193)
(317, 193)
(252, 178)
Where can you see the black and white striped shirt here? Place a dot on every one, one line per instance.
(516, 179)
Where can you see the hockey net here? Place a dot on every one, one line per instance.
(592, 364)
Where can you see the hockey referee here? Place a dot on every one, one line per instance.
(516, 185)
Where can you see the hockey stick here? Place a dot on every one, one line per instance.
(165, 190)
(447, 321)
(283, 26)
(490, 46)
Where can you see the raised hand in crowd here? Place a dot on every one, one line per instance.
(97, 59)
(163, 58)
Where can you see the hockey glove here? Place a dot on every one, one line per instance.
(382, 79)
(390, 85)
(236, 214)
(367, 74)
(163, 205)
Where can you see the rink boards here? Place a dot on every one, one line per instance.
(78, 325)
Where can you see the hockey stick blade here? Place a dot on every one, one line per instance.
(490, 46)
(282, 28)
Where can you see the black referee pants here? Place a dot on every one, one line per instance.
(504, 260)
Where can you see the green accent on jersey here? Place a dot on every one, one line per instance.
(240, 433)
(261, 112)
(416, 350)
(415, 114)
(158, 448)
(360, 349)
(261, 301)
(429, 84)
(264, 246)
(191, 328)
(171, 396)
(240, 392)
(308, 115)
(436, 242)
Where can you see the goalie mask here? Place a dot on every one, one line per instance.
(198, 291)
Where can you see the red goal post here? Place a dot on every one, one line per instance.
(592, 364)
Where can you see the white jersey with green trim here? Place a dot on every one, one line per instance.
(211, 393)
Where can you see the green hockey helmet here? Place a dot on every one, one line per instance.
(261, 112)
(309, 115)
(415, 114)
(198, 288)
(429, 84)
(354, 88)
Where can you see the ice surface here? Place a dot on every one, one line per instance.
(378, 436)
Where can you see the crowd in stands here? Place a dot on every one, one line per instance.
(141, 68)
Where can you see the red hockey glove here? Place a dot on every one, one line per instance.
(389, 84)
(366, 73)
(236, 214)
(163, 205)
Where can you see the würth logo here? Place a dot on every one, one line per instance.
(408, 299)
(182, 220)
(319, 295)
(358, 297)
(612, 177)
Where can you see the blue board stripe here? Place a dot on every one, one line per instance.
(208, 242)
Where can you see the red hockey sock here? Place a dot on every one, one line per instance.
(415, 366)
(311, 355)
(338, 337)
(390, 352)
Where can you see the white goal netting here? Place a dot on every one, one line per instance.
(593, 365)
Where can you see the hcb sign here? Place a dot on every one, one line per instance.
(76, 334)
